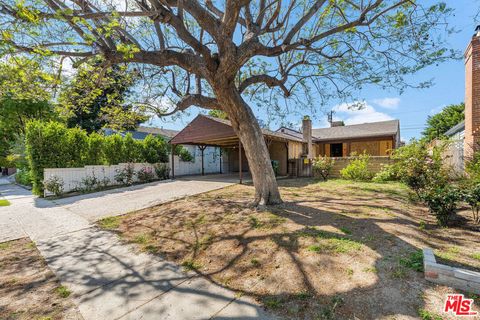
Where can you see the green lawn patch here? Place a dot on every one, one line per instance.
(4, 203)
(109, 222)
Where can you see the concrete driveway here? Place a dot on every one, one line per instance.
(109, 279)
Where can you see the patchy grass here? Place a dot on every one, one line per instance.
(4, 203)
(323, 254)
(110, 223)
(427, 315)
(63, 291)
(28, 289)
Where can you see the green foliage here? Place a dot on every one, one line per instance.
(131, 149)
(54, 185)
(472, 166)
(113, 146)
(155, 149)
(218, 114)
(418, 166)
(388, 173)
(126, 175)
(357, 169)
(275, 167)
(322, 167)
(161, 171)
(427, 315)
(23, 177)
(146, 174)
(440, 123)
(95, 98)
(413, 261)
(4, 203)
(183, 153)
(471, 195)
(442, 202)
(53, 145)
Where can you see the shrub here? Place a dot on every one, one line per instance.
(54, 185)
(113, 146)
(442, 202)
(76, 147)
(94, 153)
(45, 148)
(419, 167)
(275, 167)
(162, 171)
(472, 166)
(357, 169)
(145, 174)
(89, 184)
(131, 149)
(322, 167)
(126, 175)
(388, 173)
(183, 153)
(23, 177)
(471, 195)
(155, 149)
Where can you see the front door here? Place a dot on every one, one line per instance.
(336, 150)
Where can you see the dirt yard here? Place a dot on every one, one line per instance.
(28, 289)
(334, 250)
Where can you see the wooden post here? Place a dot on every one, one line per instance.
(240, 161)
(173, 161)
(220, 152)
(286, 163)
(202, 148)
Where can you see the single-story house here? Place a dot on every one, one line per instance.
(142, 132)
(286, 145)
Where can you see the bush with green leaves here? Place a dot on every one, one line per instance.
(388, 173)
(162, 171)
(183, 153)
(442, 202)
(471, 196)
(472, 166)
(155, 149)
(419, 166)
(23, 177)
(357, 169)
(146, 174)
(126, 175)
(54, 185)
(53, 145)
(322, 167)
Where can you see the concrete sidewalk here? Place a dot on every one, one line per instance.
(108, 278)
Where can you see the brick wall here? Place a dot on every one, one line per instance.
(472, 97)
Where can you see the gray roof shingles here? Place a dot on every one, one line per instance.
(364, 130)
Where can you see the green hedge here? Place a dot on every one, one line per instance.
(53, 145)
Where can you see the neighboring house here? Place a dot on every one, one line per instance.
(142, 132)
(287, 145)
(457, 132)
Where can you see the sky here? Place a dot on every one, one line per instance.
(412, 107)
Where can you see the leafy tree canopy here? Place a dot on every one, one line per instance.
(440, 123)
(96, 98)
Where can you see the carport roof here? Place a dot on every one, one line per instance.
(207, 130)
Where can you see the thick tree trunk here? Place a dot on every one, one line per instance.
(248, 130)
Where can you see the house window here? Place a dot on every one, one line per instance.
(336, 150)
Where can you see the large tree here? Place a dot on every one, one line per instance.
(218, 54)
(96, 97)
(441, 122)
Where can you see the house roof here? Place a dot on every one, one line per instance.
(142, 132)
(364, 130)
(459, 127)
(208, 130)
(264, 131)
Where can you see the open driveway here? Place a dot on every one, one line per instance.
(109, 279)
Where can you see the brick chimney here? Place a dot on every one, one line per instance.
(307, 135)
(472, 95)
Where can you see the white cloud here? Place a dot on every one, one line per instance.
(387, 103)
(352, 114)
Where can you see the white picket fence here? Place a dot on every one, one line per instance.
(73, 178)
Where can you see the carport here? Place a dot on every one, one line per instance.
(206, 131)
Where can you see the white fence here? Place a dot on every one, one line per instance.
(74, 178)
